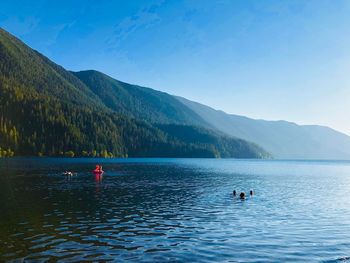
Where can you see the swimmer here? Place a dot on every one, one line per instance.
(242, 195)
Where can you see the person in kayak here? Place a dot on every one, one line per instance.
(98, 169)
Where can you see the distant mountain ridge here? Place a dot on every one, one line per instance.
(48, 111)
(282, 139)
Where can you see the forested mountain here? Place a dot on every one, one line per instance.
(225, 146)
(281, 138)
(46, 110)
(139, 102)
(22, 66)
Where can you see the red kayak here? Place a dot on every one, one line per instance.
(97, 172)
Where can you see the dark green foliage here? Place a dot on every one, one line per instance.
(222, 146)
(138, 102)
(6, 152)
(47, 111)
(22, 66)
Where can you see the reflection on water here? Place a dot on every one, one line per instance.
(161, 210)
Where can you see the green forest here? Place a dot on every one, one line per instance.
(48, 111)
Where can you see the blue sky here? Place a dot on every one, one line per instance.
(263, 59)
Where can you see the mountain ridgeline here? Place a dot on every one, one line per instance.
(46, 110)
(139, 102)
(284, 140)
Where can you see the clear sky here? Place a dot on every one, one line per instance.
(263, 59)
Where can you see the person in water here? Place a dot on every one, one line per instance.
(242, 195)
(98, 169)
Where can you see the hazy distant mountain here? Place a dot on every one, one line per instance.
(46, 110)
(281, 138)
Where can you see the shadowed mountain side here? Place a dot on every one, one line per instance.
(138, 102)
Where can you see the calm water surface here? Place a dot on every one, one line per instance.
(177, 210)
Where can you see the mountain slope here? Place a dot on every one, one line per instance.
(47, 110)
(138, 102)
(225, 146)
(281, 138)
(23, 66)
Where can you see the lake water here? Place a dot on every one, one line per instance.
(177, 210)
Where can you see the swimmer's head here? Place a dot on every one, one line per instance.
(242, 195)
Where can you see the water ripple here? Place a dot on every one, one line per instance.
(177, 211)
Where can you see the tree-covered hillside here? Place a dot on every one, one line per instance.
(46, 110)
(225, 146)
(22, 66)
(139, 102)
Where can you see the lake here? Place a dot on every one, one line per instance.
(174, 210)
